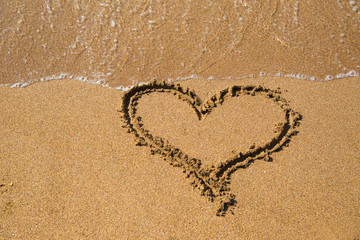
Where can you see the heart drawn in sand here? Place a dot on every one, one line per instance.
(212, 182)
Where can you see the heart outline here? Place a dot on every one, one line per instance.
(213, 182)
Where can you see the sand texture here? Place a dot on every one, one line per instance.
(180, 119)
(124, 42)
(80, 161)
(211, 177)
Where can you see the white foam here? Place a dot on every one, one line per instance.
(352, 73)
(341, 75)
(187, 78)
(329, 77)
(100, 79)
(96, 79)
(19, 85)
(124, 88)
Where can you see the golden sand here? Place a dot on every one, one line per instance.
(246, 148)
(69, 170)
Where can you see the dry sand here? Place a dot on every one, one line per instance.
(70, 171)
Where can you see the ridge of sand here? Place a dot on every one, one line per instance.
(212, 182)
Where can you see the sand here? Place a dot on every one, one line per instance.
(260, 139)
(70, 171)
(127, 42)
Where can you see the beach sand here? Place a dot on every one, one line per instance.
(70, 171)
(122, 43)
(263, 145)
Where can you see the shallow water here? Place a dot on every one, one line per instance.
(121, 43)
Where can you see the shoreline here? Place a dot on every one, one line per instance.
(102, 82)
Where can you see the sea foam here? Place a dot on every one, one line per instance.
(100, 79)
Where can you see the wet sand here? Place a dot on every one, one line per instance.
(69, 170)
(127, 42)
